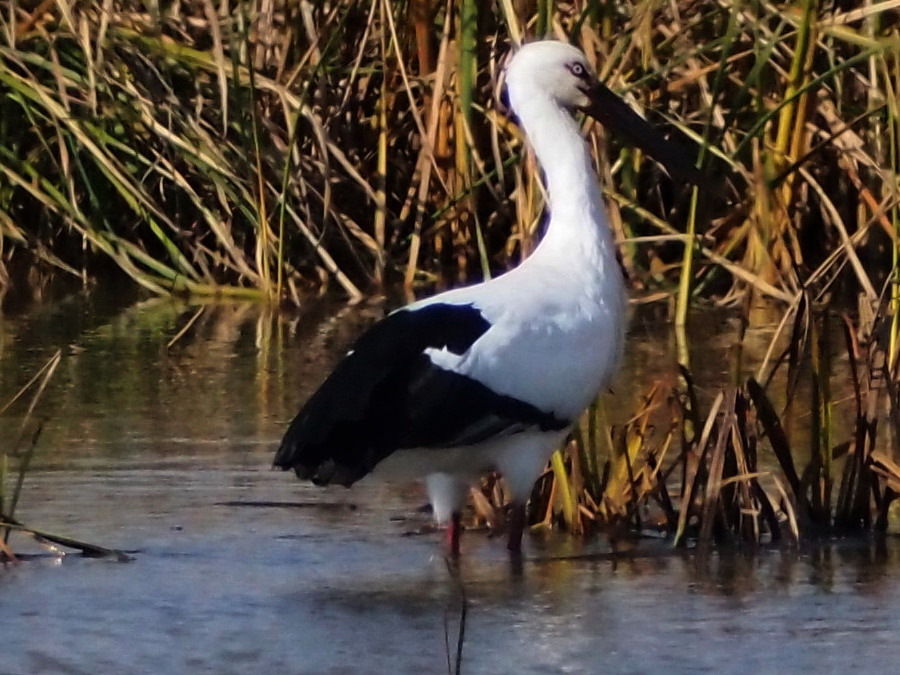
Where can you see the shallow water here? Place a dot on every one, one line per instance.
(166, 453)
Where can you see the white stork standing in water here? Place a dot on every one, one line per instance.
(492, 376)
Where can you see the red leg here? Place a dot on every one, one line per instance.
(453, 533)
(516, 527)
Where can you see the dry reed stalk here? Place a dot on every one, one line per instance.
(269, 110)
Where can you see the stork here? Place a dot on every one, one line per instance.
(491, 377)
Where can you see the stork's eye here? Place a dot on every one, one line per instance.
(577, 70)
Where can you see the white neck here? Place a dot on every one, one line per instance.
(578, 231)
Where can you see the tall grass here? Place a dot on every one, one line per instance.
(263, 149)
(764, 461)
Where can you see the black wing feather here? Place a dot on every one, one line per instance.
(386, 394)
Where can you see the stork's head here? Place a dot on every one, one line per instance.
(554, 69)
(559, 72)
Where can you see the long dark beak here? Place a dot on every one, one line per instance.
(612, 112)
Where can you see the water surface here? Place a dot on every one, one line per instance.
(163, 450)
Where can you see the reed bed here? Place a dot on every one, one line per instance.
(759, 463)
(260, 149)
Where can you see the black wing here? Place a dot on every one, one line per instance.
(386, 394)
